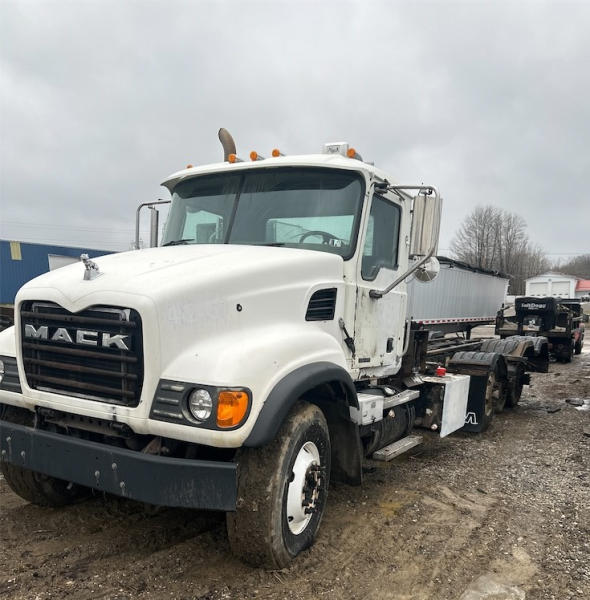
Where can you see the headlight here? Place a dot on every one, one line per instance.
(200, 404)
(1, 370)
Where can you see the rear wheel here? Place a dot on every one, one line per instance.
(494, 398)
(498, 392)
(564, 351)
(282, 491)
(514, 389)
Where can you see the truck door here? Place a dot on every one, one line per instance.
(379, 323)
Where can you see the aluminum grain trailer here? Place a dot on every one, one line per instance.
(460, 298)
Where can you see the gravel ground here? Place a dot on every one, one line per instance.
(512, 505)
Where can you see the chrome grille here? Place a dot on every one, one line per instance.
(63, 352)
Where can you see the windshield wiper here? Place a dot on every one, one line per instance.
(272, 244)
(178, 242)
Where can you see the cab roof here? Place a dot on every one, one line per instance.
(336, 161)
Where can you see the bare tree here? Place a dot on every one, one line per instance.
(579, 266)
(495, 239)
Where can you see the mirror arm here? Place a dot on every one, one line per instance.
(137, 217)
(428, 190)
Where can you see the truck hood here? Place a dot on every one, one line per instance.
(225, 316)
(160, 273)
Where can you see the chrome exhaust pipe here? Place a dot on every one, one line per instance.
(227, 141)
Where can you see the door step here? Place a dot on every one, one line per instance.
(397, 448)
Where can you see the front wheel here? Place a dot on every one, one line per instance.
(282, 491)
(41, 489)
(36, 488)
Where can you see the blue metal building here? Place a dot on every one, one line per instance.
(21, 261)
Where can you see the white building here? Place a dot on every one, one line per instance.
(558, 285)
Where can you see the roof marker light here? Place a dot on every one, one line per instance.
(352, 153)
(189, 166)
(276, 153)
(232, 158)
(255, 156)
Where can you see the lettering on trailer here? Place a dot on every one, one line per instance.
(471, 418)
(533, 306)
(83, 337)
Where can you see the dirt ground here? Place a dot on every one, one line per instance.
(513, 503)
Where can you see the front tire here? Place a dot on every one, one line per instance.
(282, 491)
(41, 489)
(36, 488)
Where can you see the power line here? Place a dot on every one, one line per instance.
(63, 227)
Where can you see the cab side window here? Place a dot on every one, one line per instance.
(382, 239)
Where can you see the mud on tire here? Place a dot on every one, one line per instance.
(282, 491)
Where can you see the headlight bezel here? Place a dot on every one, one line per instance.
(171, 404)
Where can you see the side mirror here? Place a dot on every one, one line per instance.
(153, 222)
(426, 216)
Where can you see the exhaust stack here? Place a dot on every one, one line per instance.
(227, 141)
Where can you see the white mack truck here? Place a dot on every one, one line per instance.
(264, 349)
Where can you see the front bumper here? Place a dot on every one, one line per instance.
(147, 478)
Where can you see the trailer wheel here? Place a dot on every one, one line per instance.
(37, 488)
(282, 491)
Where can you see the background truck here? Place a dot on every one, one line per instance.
(560, 321)
(267, 347)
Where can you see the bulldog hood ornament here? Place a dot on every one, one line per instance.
(91, 268)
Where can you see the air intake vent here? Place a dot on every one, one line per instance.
(322, 305)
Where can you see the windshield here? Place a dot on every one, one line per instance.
(311, 208)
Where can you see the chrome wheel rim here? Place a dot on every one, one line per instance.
(304, 488)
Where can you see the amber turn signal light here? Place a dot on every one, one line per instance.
(232, 406)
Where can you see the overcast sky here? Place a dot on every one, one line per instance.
(100, 101)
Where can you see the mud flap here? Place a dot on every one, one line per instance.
(478, 365)
(474, 417)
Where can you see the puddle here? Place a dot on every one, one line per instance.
(491, 587)
(579, 403)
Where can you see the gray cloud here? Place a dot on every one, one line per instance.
(101, 100)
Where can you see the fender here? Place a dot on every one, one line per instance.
(477, 363)
(290, 389)
(534, 349)
(8, 342)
